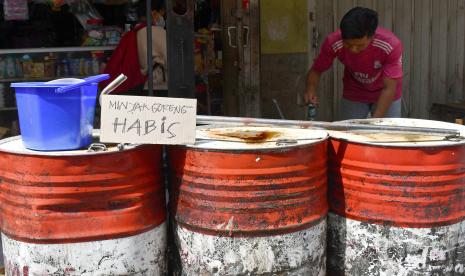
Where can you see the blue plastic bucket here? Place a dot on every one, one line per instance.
(50, 119)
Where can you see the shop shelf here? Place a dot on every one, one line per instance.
(8, 108)
(37, 79)
(55, 50)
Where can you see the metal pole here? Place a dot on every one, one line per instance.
(341, 126)
(240, 57)
(180, 49)
(149, 48)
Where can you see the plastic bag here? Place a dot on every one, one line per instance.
(16, 10)
(83, 10)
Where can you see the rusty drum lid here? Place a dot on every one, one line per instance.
(15, 145)
(255, 137)
(400, 139)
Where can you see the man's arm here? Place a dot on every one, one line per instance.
(313, 78)
(392, 72)
(322, 63)
(385, 99)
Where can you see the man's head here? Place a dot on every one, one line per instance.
(358, 27)
(158, 10)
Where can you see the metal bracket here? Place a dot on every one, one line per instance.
(230, 36)
(285, 142)
(454, 138)
(97, 147)
(121, 146)
(230, 28)
(315, 38)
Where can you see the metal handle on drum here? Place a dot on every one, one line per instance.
(97, 147)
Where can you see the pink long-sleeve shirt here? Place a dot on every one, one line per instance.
(364, 72)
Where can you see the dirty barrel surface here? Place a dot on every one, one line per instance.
(397, 202)
(82, 213)
(251, 201)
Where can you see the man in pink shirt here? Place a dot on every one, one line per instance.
(372, 57)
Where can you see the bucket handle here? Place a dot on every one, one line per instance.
(87, 81)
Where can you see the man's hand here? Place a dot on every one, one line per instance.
(386, 98)
(310, 96)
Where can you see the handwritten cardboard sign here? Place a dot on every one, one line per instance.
(147, 120)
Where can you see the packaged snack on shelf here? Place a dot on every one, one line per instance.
(112, 35)
(87, 67)
(95, 34)
(15, 10)
(103, 65)
(38, 70)
(18, 68)
(82, 66)
(94, 65)
(27, 66)
(49, 67)
(62, 68)
(10, 67)
(66, 66)
(74, 67)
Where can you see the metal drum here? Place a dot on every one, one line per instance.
(251, 201)
(82, 213)
(397, 202)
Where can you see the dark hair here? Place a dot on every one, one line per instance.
(359, 22)
(157, 5)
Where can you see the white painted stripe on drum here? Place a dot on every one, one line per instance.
(142, 254)
(361, 248)
(298, 253)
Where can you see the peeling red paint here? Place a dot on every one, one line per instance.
(11, 269)
(69, 271)
(249, 193)
(398, 186)
(75, 198)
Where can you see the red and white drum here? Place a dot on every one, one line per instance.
(251, 200)
(397, 202)
(82, 213)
